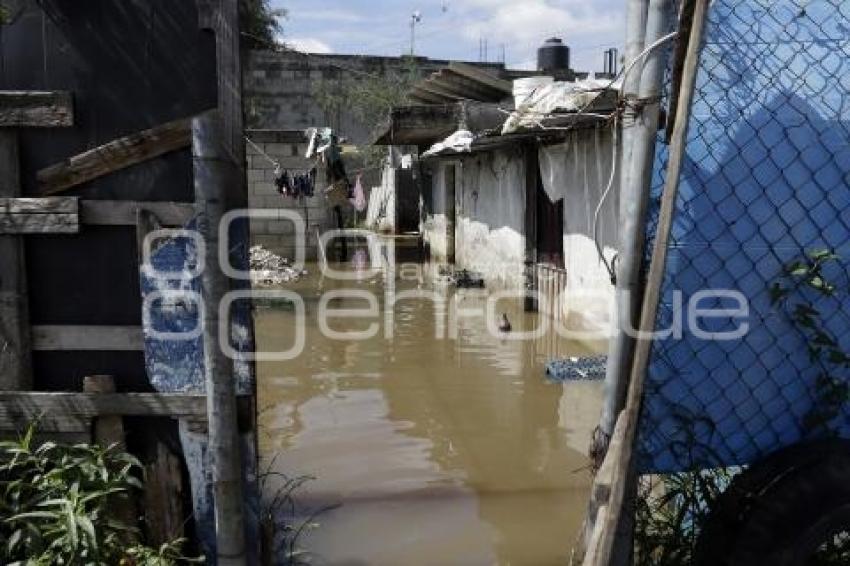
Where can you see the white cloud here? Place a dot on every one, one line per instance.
(522, 26)
(308, 45)
(532, 20)
(328, 16)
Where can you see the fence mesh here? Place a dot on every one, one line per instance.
(763, 203)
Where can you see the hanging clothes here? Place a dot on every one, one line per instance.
(296, 185)
(358, 199)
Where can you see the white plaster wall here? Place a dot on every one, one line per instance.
(381, 214)
(434, 226)
(491, 216)
(491, 220)
(586, 162)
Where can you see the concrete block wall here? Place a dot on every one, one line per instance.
(278, 233)
(280, 87)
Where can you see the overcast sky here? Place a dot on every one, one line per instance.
(451, 29)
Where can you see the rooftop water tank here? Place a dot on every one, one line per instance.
(553, 55)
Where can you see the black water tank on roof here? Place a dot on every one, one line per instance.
(553, 55)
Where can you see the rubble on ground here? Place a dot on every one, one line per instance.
(268, 268)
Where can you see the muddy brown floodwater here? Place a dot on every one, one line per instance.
(434, 451)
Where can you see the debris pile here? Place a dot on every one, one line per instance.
(268, 268)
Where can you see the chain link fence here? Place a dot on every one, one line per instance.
(762, 223)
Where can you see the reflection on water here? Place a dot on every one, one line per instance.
(440, 451)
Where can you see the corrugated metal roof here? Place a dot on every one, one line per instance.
(459, 82)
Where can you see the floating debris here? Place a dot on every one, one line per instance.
(577, 368)
(461, 278)
(268, 268)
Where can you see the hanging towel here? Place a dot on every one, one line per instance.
(359, 201)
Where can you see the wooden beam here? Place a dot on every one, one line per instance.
(125, 212)
(50, 338)
(47, 205)
(18, 407)
(36, 109)
(15, 345)
(39, 224)
(114, 156)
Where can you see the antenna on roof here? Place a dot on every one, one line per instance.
(415, 18)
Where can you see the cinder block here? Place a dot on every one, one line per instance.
(277, 149)
(259, 226)
(263, 188)
(280, 227)
(256, 175)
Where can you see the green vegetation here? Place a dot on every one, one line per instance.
(260, 23)
(670, 512)
(281, 530)
(55, 505)
(803, 284)
(369, 98)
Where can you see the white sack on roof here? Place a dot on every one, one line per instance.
(459, 141)
(551, 98)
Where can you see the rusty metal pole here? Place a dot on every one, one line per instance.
(214, 173)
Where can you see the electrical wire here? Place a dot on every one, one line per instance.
(263, 153)
(608, 267)
(625, 72)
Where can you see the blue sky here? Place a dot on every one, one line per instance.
(452, 29)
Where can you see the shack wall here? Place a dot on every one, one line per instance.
(489, 231)
(489, 214)
(578, 171)
(165, 70)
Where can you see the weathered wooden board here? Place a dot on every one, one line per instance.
(124, 213)
(15, 351)
(115, 155)
(67, 410)
(90, 405)
(36, 109)
(85, 338)
(39, 223)
(46, 205)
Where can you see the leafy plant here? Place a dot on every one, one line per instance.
(803, 284)
(260, 23)
(55, 502)
(670, 512)
(282, 532)
(369, 98)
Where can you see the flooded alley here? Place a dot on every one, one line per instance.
(425, 449)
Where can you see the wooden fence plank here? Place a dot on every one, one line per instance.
(84, 338)
(39, 224)
(46, 205)
(38, 109)
(18, 407)
(15, 351)
(124, 213)
(115, 155)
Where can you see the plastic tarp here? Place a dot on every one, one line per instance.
(555, 97)
(459, 141)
